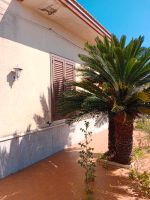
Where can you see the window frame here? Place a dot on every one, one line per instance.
(64, 60)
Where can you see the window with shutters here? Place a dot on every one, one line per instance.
(62, 71)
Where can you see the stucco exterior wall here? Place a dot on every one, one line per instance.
(19, 152)
(26, 41)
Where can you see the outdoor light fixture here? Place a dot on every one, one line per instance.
(17, 72)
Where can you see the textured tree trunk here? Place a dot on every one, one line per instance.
(124, 141)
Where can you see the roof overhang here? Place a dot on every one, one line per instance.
(70, 15)
(77, 9)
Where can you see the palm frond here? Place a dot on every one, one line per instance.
(114, 77)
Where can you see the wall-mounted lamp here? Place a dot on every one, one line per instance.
(17, 72)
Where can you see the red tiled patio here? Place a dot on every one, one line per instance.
(59, 177)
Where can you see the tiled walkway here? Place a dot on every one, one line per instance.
(60, 178)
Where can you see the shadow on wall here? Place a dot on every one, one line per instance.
(45, 119)
(20, 152)
(22, 27)
(9, 20)
(10, 79)
(101, 120)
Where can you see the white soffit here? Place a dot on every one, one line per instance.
(57, 12)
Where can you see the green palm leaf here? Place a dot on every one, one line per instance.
(115, 77)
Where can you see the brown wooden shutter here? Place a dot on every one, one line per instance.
(58, 85)
(69, 73)
(62, 71)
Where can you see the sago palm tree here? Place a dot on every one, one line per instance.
(115, 80)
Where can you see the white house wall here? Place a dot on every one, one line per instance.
(17, 153)
(24, 41)
(27, 41)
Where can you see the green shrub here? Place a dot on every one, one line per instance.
(142, 179)
(86, 155)
(143, 125)
(103, 159)
(137, 153)
(133, 174)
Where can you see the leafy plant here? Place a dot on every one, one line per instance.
(144, 125)
(133, 174)
(142, 179)
(114, 80)
(103, 158)
(137, 153)
(86, 155)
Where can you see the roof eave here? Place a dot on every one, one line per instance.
(78, 10)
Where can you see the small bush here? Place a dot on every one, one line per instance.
(86, 155)
(143, 181)
(102, 156)
(144, 141)
(144, 125)
(137, 153)
(103, 159)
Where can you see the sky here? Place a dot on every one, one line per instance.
(129, 17)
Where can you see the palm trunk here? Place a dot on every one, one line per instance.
(124, 141)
